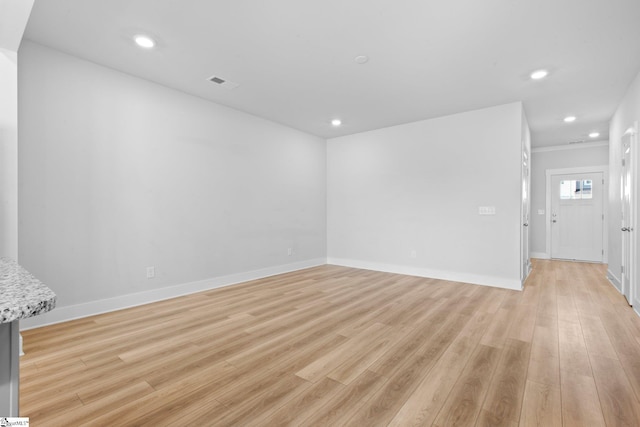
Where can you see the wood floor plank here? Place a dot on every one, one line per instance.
(488, 419)
(580, 404)
(511, 300)
(504, 397)
(236, 392)
(403, 380)
(497, 333)
(425, 402)
(494, 300)
(74, 383)
(573, 351)
(544, 363)
(544, 371)
(633, 320)
(541, 406)
(627, 349)
(463, 404)
(110, 401)
(531, 293)
(619, 405)
(305, 405)
(262, 405)
(545, 339)
(548, 299)
(408, 345)
(567, 311)
(358, 362)
(162, 403)
(347, 401)
(52, 405)
(326, 364)
(523, 323)
(596, 337)
(319, 340)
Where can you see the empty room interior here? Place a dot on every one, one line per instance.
(328, 213)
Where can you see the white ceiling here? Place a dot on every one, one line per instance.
(294, 59)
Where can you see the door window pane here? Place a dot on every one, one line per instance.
(576, 189)
(586, 189)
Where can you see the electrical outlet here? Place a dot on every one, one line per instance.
(289, 252)
(151, 272)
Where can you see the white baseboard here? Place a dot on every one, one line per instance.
(63, 314)
(540, 255)
(614, 280)
(476, 279)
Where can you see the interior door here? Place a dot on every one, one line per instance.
(626, 225)
(526, 262)
(577, 216)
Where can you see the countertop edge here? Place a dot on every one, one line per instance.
(21, 294)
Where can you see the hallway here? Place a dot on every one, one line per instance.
(586, 347)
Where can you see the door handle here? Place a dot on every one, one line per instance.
(624, 229)
(553, 220)
(526, 224)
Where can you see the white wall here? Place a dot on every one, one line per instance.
(559, 157)
(14, 15)
(417, 187)
(117, 174)
(8, 154)
(626, 115)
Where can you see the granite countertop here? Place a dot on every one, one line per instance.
(21, 294)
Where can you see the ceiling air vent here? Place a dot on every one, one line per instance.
(219, 81)
(581, 141)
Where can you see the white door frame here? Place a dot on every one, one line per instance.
(525, 215)
(605, 205)
(633, 243)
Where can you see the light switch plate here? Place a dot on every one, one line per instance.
(486, 210)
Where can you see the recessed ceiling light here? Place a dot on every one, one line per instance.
(539, 74)
(594, 134)
(336, 122)
(144, 41)
(362, 59)
(570, 119)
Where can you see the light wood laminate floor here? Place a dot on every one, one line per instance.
(338, 346)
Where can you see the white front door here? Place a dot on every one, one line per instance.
(626, 224)
(577, 216)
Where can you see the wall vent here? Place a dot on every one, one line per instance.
(219, 81)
